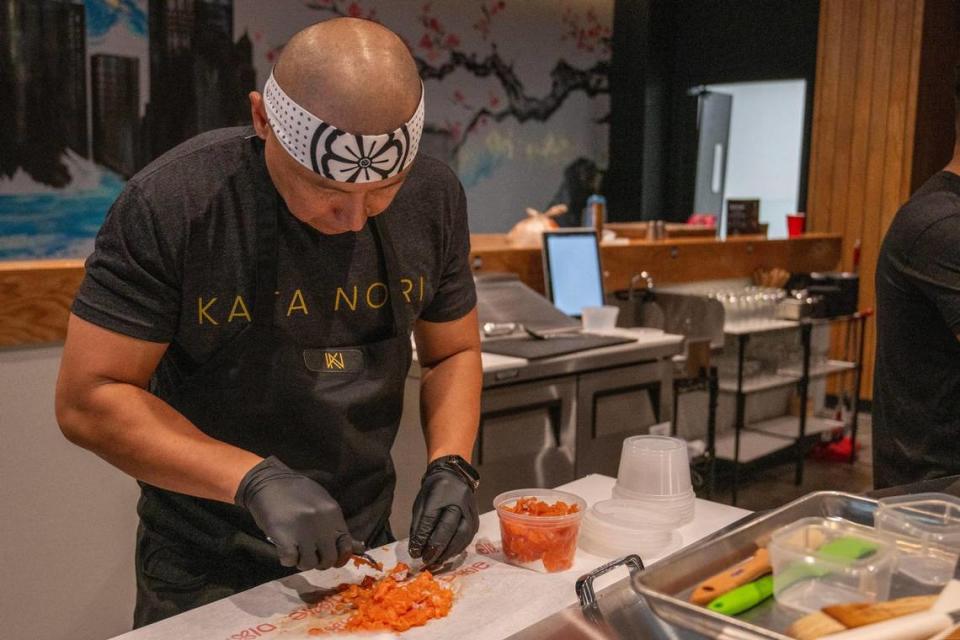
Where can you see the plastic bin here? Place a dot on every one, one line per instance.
(818, 562)
(927, 526)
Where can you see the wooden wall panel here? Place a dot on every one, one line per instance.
(865, 115)
(672, 261)
(35, 300)
(863, 106)
(35, 297)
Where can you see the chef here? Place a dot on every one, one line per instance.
(241, 337)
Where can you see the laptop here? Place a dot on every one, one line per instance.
(573, 277)
(573, 280)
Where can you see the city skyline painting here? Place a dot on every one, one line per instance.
(98, 88)
(78, 128)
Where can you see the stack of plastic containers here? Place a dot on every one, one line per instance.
(653, 497)
(654, 474)
(613, 528)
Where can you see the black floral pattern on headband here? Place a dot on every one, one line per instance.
(348, 158)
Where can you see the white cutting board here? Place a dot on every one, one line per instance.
(494, 599)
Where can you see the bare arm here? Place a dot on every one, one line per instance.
(450, 384)
(102, 405)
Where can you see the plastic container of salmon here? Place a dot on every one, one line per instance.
(544, 543)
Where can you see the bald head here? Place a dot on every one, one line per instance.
(354, 74)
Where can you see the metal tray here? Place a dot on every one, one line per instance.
(667, 585)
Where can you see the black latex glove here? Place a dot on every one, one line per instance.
(297, 515)
(444, 516)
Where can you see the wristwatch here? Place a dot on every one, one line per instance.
(459, 466)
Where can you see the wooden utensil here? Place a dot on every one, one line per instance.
(754, 567)
(814, 625)
(858, 614)
(841, 617)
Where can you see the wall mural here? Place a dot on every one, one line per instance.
(517, 97)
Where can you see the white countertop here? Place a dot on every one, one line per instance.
(644, 337)
(485, 593)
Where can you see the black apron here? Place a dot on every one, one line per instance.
(330, 412)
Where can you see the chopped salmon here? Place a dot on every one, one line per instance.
(554, 544)
(395, 602)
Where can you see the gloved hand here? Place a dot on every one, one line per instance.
(445, 515)
(297, 515)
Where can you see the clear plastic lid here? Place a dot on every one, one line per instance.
(627, 494)
(932, 517)
(618, 527)
(681, 506)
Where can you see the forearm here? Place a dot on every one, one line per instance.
(145, 437)
(450, 404)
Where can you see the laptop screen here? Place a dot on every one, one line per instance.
(572, 270)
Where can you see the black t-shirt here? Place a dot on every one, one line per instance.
(175, 259)
(916, 396)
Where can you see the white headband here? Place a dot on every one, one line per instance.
(336, 154)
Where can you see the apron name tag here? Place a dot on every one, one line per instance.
(333, 360)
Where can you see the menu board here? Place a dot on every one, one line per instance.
(743, 217)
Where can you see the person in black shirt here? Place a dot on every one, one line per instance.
(241, 338)
(916, 394)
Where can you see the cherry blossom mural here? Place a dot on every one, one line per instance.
(516, 90)
(511, 101)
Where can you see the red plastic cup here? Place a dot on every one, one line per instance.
(796, 223)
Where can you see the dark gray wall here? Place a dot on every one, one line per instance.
(662, 48)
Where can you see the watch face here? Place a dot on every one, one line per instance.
(466, 468)
(473, 475)
(461, 467)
